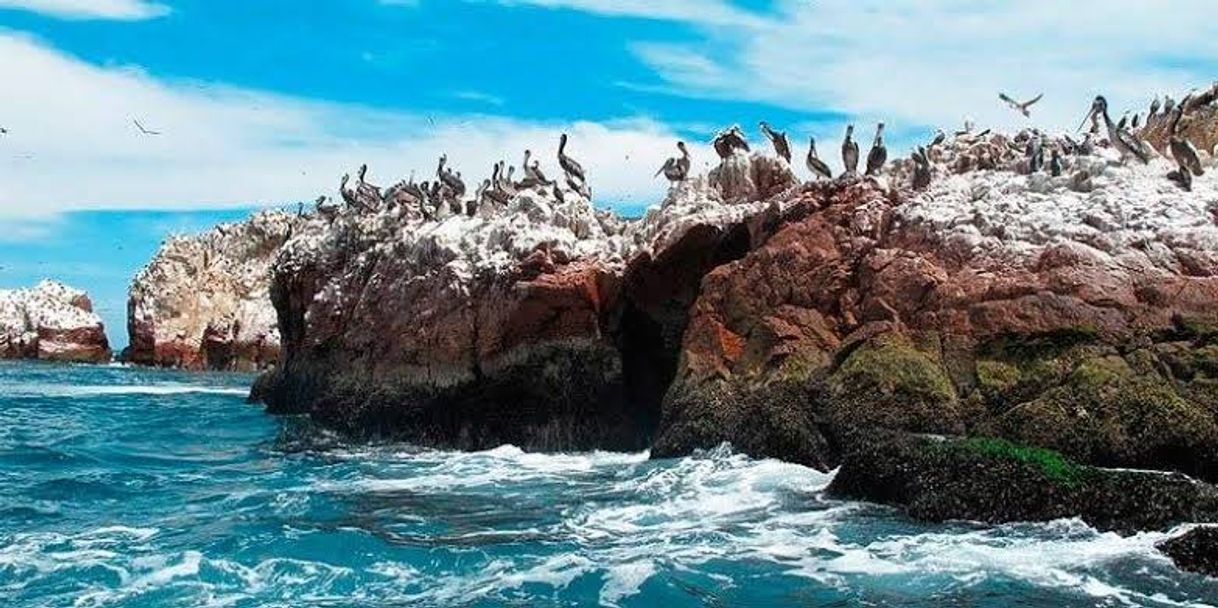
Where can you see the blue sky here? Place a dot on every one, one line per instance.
(266, 102)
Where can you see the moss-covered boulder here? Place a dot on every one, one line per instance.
(888, 382)
(1195, 550)
(995, 481)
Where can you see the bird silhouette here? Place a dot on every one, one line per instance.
(143, 130)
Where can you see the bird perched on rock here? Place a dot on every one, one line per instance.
(676, 169)
(1036, 155)
(1055, 163)
(1135, 122)
(940, 137)
(1182, 150)
(729, 140)
(1125, 143)
(878, 154)
(363, 172)
(1021, 107)
(782, 146)
(817, 166)
(921, 176)
(568, 164)
(1154, 110)
(1181, 177)
(850, 152)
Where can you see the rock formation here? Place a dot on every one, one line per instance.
(51, 322)
(1066, 305)
(542, 322)
(203, 301)
(994, 303)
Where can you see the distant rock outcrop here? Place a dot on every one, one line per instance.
(1195, 550)
(51, 322)
(203, 302)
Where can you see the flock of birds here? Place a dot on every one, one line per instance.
(446, 194)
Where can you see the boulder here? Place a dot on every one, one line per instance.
(1195, 550)
(51, 322)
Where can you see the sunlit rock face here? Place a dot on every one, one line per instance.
(993, 302)
(51, 322)
(203, 302)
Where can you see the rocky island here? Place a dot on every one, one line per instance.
(51, 322)
(203, 300)
(996, 302)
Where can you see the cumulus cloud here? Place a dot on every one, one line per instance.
(72, 142)
(935, 62)
(120, 10)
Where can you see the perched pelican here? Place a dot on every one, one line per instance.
(363, 171)
(1181, 149)
(1122, 141)
(676, 169)
(568, 164)
(878, 154)
(1154, 109)
(1055, 163)
(817, 166)
(1021, 107)
(782, 146)
(940, 137)
(921, 176)
(850, 152)
(1169, 104)
(1121, 124)
(1135, 122)
(729, 140)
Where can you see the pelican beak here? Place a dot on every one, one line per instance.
(1086, 118)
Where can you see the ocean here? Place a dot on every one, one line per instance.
(142, 488)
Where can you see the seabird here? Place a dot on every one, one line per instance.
(1169, 104)
(1181, 177)
(568, 164)
(850, 152)
(729, 140)
(1136, 121)
(3, 131)
(817, 166)
(140, 127)
(878, 154)
(1181, 149)
(940, 137)
(676, 169)
(1122, 141)
(363, 171)
(1123, 122)
(1021, 107)
(1154, 110)
(1055, 163)
(782, 146)
(921, 176)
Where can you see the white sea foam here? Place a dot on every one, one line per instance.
(64, 390)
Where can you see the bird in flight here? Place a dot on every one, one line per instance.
(143, 130)
(1021, 107)
(3, 131)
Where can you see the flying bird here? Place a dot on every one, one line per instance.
(142, 129)
(1021, 107)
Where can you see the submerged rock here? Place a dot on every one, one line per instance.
(203, 302)
(51, 322)
(995, 481)
(1196, 550)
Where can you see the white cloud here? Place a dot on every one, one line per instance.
(937, 61)
(72, 143)
(120, 10)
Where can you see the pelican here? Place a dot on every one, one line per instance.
(1135, 122)
(850, 152)
(921, 176)
(1122, 141)
(1182, 150)
(342, 189)
(568, 164)
(878, 154)
(676, 169)
(817, 166)
(729, 140)
(363, 171)
(782, 146)
(1055, 163)
(940, 137)
(1123, 122)
(1021, 107)
(1154, 109)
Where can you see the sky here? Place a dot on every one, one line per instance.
(267, 102)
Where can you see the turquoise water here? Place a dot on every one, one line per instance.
(124, 487)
